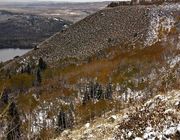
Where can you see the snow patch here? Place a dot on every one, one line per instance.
(138, 138)
(87, 125)
(160, 21)
(174, 61)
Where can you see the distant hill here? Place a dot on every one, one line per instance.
(20, 30)
(69, 11)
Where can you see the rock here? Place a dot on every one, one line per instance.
(138, 138)
(87, 125)
(178, 128)
(112, 118)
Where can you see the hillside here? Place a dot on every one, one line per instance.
(155, 119)
(108, 27)
(109, 76)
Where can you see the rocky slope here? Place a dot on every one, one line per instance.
(108, 27)
(100, 30)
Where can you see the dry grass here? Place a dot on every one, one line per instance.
(114, 65)
(27, 103)
(88, 112)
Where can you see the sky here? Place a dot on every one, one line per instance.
(53, 0)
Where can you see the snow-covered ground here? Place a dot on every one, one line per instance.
(161, 21)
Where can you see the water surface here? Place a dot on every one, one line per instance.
(7, 54)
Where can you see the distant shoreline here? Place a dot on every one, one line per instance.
(9, 53)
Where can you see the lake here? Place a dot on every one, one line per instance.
(7, 54)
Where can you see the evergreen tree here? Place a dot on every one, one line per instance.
(109, 91)
(28, 69)
(13, 130)
(42, 64)
(86, 96)
(38, 77)
(65, 119)
(62, 121)
(95, 92)
(70, 119)
(99, 92)
(92, 90)
(5, 96)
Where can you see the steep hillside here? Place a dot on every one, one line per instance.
(109, 76)
(94, 33)
(108, 27)
(158, 118)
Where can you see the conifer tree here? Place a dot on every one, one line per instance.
(38, 77)
(5, 96)
(109, 91)
(86, 97)
(70, 118)
(28, 69)
(92, 90)
(13, 130)
(62, 121)
(42, 64)
(99, 92)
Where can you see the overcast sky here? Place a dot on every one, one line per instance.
(54, 0)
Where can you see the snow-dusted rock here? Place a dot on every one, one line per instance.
(178, 128)
(112, 118)
(170, 131)
(87, 125)
(138, 138)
